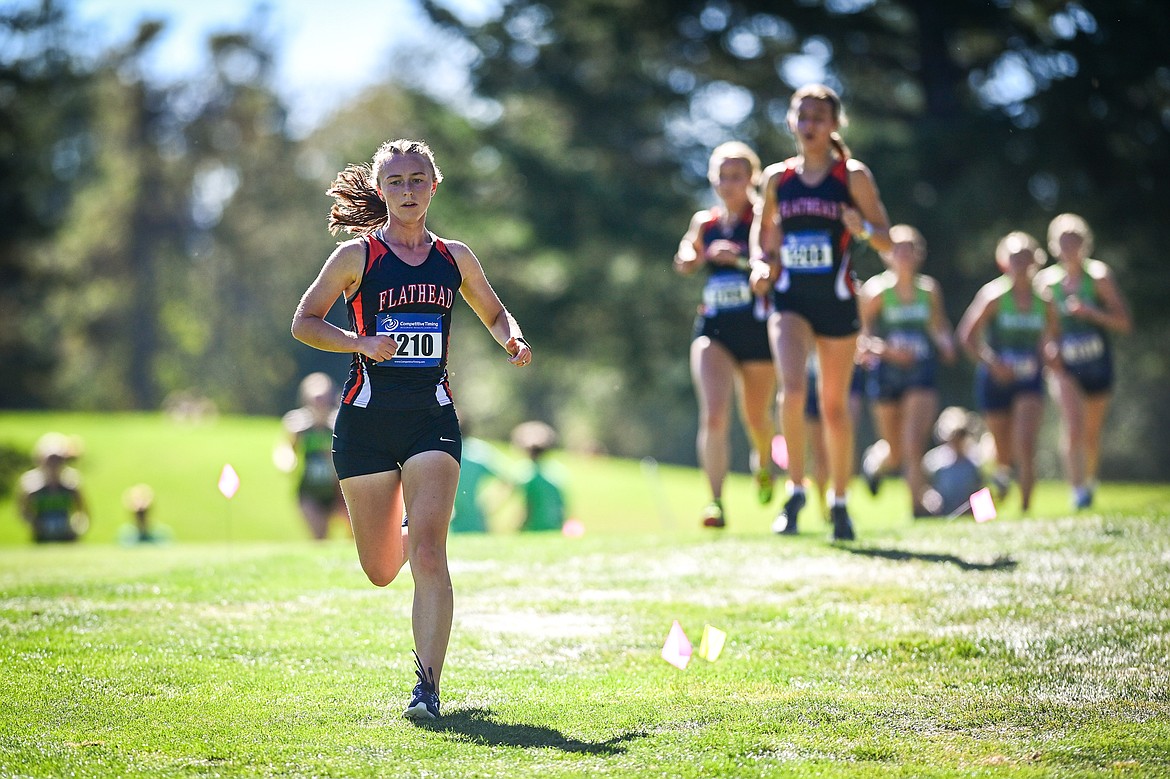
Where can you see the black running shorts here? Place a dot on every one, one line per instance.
(370, 440)
(829, 317)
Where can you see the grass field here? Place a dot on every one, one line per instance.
(1026, 646)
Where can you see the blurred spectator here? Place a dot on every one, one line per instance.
(541, 483)
(480, 464)
(953, 467)
(50, 497)
(309, 452)
(139, 500)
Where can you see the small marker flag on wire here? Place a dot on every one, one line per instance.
(229, 481)
(780, 451)
(677, 649)
(712, 643)
(573, 528)
(982, 506)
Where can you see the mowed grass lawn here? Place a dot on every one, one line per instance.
(1025, 646)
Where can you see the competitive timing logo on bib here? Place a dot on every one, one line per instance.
(389, 324)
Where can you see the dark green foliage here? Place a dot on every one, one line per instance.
(13, 462)
(175, 262)
(955, 152)
(43, 144)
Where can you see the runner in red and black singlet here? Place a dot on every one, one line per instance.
(413, 304)
(816, 279)
(815, 205)
(729, 352)
(397, 439)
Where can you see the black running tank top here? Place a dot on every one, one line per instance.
(413, 305)
(815, 255)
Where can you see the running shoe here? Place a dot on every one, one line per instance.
(763, 479)
(785, 523)
(871, 464)
(842, 525)
(713, 515)
(424, 701)
(1082, 498)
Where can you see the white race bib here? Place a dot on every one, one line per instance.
(419, 338)
(1025, 365)
(726, 293)
(318, 470)
(1081, 348)
(914, 343)
(807, 252)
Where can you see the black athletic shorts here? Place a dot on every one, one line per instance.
(740, 333)
(1095, 375)
(829, 317)
(370, 440)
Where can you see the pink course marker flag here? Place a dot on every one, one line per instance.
(780, 451)
(677, 649)
(982, 506)
(229, 481)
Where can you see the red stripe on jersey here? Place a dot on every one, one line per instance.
(376, 249)
(357, 385)
(788, 172)
(712, 221)
(443, 250)
(359, 319)
(846, 270)
(843, 244)
(840, 171)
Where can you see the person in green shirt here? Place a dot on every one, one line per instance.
(905, 335)
(50, 497)
(1091, 309)
(1010, 330)
(308, 452)
(139, 500)
(542, 484)
(480, 464)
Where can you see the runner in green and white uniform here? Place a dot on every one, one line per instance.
(1009, 330)
(905, 335)
(1091, 309)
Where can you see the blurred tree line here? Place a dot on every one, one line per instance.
(155, 237)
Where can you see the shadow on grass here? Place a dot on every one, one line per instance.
(998, 564)
(479, 726)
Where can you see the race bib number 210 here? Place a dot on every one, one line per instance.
(807, 252)
(419, 338)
